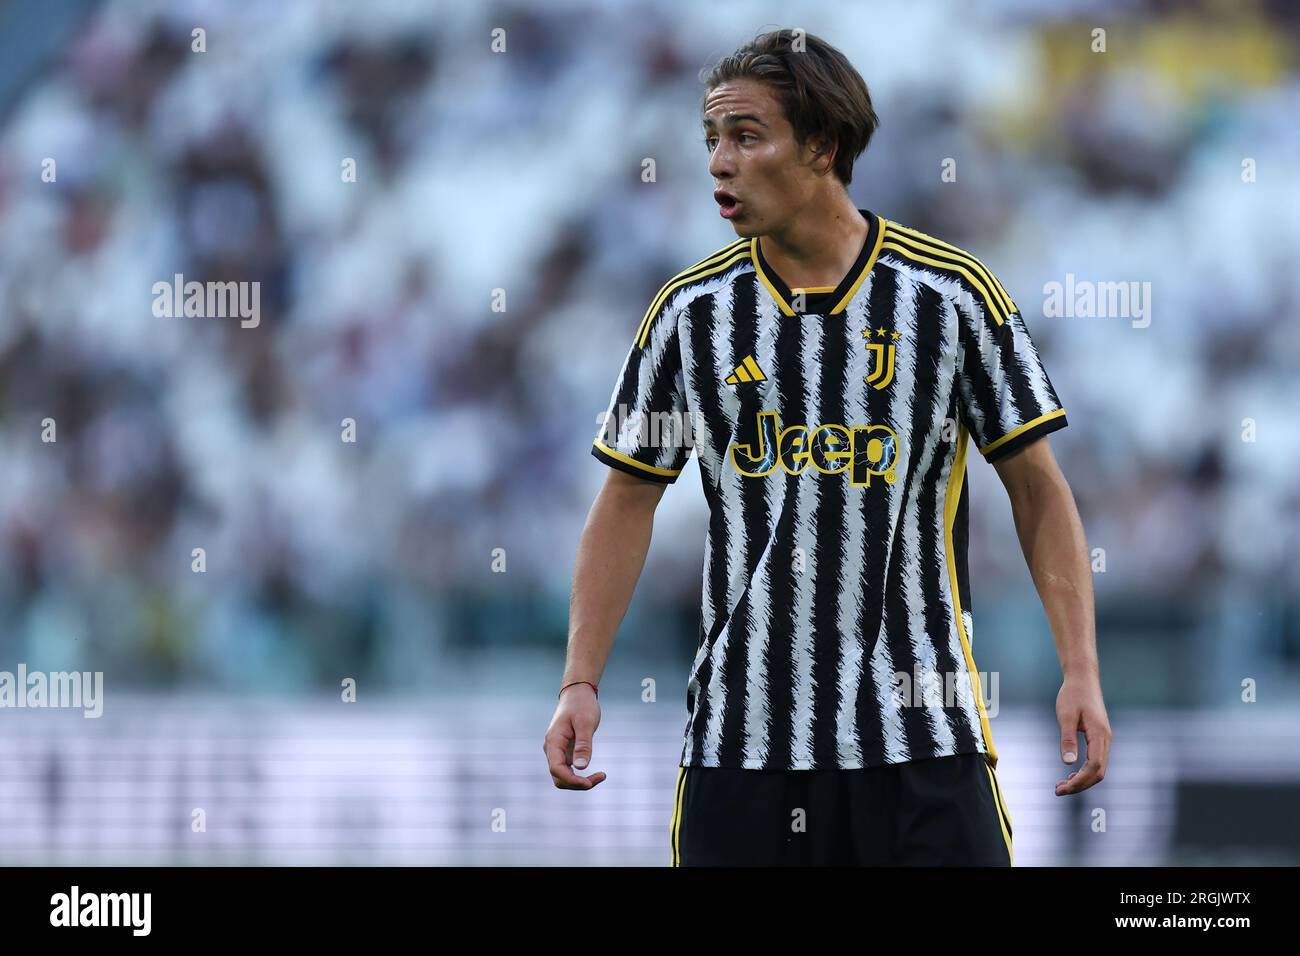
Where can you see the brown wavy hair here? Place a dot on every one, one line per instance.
(821, 93)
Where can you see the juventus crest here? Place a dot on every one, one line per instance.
(882, 354)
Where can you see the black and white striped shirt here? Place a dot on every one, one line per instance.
(831, 431)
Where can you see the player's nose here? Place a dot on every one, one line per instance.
(721, 166)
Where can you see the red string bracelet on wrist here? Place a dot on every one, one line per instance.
(571, 683)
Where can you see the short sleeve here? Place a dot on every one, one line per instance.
(647, 427)
(1006, 397)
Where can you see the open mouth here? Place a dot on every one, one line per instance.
(727, 203)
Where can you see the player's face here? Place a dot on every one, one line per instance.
(760, 174)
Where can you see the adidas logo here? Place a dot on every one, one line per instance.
(746, 371)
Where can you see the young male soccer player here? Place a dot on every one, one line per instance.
(828, 367)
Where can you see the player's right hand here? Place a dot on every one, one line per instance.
(568, 740)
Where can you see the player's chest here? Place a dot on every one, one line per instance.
(828, 396)
(852, 361)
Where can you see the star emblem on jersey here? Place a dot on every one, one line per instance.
(883, 373)
(746, 371)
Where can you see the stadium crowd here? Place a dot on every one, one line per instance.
(468, 299)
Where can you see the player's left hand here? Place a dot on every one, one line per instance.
(1079, 707)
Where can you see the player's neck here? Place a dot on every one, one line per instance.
(818, 246)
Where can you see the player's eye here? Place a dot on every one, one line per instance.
(709, 141)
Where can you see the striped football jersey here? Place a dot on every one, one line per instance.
(831, 428)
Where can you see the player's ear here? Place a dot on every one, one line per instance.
(821, 154)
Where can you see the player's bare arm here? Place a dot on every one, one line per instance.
(1055, 548)
(611, 554)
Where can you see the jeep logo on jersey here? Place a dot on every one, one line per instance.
(861, 450)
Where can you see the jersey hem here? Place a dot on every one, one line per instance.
(757, 763)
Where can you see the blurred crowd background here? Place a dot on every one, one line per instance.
(514, 175)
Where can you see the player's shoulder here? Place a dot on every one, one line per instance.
(695, 280)
(943, 266)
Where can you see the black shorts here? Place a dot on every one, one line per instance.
(944, 811)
